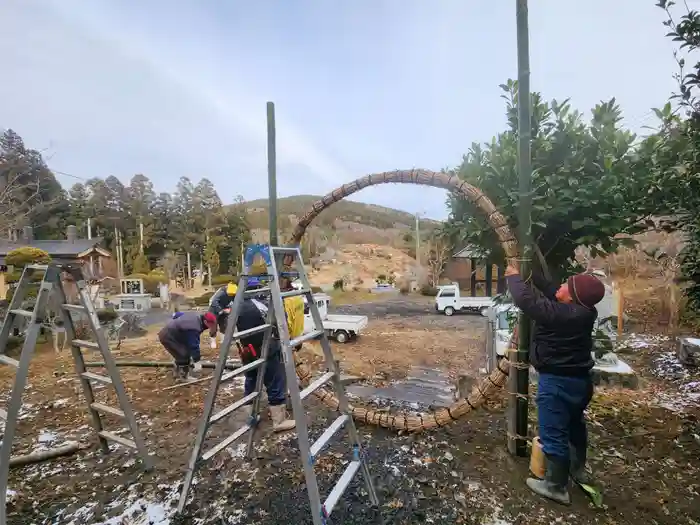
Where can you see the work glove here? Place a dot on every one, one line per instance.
(197, 367)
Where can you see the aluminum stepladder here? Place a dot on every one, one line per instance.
(51, 285)
(276, 322)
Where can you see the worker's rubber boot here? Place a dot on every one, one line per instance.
(578, 466)
(280, 423)
(555, 484)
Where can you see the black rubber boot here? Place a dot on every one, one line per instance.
(578, 466)
(555, 484)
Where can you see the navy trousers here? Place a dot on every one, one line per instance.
(561, 402)
(275, 379)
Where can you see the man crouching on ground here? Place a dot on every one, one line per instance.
(181, 337)
(561, 349)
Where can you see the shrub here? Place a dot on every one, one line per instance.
(404, 290)
(24, 255)
(428, 291)
(222, 280)
(141, 264)
(339, 284)
(107, 315)
(32, 293)
(203, 300)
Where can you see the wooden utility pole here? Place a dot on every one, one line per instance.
(272, 172)
(518, 379)
(418, 241)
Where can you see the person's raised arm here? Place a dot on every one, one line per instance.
(544, 285)
(538, 308)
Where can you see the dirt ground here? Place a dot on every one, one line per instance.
(645, 445)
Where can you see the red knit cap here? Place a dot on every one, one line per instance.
(586, 289)
(209, 319)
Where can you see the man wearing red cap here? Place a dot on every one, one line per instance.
(562, 342)
(181, 337)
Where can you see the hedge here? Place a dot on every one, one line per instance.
(24, 255)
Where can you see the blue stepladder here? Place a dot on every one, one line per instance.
(276, 258)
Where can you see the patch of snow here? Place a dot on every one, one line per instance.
(46, 437)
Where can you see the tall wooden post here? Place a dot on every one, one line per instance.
(519, 376)
(472, 278)
(488, 292)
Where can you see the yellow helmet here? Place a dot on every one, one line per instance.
(231, 289)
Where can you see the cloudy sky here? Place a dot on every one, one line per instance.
(171, 88)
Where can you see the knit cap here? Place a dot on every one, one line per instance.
(586, 289)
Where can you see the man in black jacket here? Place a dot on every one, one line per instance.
(562, 343)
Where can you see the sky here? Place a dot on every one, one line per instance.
(179, 88)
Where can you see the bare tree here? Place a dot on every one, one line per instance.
(437, 257)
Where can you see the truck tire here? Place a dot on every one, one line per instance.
(449, 311)
(342, 336)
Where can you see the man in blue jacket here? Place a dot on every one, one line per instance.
(181, 337)
(561, 348)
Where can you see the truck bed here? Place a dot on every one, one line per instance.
(353, 323)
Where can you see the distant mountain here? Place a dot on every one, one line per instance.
(348, 221)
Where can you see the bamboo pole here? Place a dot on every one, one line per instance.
(156, 364)
(272, 172)
(519, 380)
(43, 455)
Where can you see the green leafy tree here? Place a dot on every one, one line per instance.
(675, 150)
(587, 180)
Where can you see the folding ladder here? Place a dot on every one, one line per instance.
(276, 326)
(51, 284)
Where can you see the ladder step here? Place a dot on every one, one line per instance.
(111, 436)
(242, 370)
(75, 307)
(295, 293)
(8, 361)
(23, 313)
(106, 409)
(97, 377)
(251, 331)
(340, 487)
(42, 267)
(226, 442)
(328, 434)
(284, 249)
(316, 385)
(232, 408)
(306, 337)
(259, 291)
(3, 414)
(85, 344)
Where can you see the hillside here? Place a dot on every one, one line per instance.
(346, 222)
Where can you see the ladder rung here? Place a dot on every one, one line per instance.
(42, 267)
(251, 331)
(242, 370)
(75, 307)
(117, 439)
(9, 361)
(284, 249)
(316, 385)
(295, 293)
(328, 434)
(85, 344)
(306, 337)
(106, 409)
(97, 377)
(232, 408)
(225, 443)
(3, 414)
(340, 487)
(23, 313)
(259, 291)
